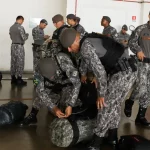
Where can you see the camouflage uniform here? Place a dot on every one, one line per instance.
(69, 94)
(79, 28)
(114, 89)
(18, 37)
(38, 37)
(111, 31)
(139, 41)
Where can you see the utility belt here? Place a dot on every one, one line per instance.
(124, 64)
(57, 87)
(35, 46)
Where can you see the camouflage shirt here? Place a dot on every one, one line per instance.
(79, 28)
(38, 35)
(140, 40)
(122, 38)
(111, 32)
(91, 61)
(72, 74)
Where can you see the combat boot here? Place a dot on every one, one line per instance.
(128, 107)
(13, 80)
(95, 144)
(20, 82)
(113, 139)
(31, 119)
(140, 119)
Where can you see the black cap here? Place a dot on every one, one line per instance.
(106, 18)
(71, 16)
(68, 37)
(44, 21)
(125, 27)
(57, 18)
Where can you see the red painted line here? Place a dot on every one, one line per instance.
(76, 5)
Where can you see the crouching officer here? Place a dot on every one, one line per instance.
(115, 75)
(57, 86)
(39, 38)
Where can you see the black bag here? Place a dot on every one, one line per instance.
(12, 112)
(133, 142)
(1, 76)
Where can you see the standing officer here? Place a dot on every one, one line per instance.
(111, 91)
(54, 46)
(139, 44)
(18, 37)
(123, 37)
(72, 21)
(39, 38)
(108, 30)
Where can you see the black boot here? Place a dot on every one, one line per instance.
(13, 80)
(128, 107)
(113, 138)
(30, 119)
(140, 119)
(95, 144)
(20, 82)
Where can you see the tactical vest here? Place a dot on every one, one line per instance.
(113, 50)
(57, 32)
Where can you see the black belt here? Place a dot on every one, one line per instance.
(124, 64)
(18, 43)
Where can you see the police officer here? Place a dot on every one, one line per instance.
(72, 21)
(18, 37)
(39, 38)
(54, 46)
(139, 44)
(57, 87)
(108, 30)
(118, 84)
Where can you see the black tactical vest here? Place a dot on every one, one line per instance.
(114, 50)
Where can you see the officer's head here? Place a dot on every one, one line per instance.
(105, 21)
(124, 29)
(71, 19)
(78, 20)
(43, 24)
(20, 20)
(70, 39)
(58, 21)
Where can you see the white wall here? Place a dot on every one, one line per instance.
(91, 12)
(10, 9)
(146, 10)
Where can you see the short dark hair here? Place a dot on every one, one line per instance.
(20, 17)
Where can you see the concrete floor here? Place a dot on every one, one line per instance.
(37, 138)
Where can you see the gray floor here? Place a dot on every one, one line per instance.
(37, 138)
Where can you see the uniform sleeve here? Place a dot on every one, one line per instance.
(83, 68)
(36, 34)
(73, 75)
(114, 34)
(80, 29)
(90, 57)
(41, 92)
(134, 39)
(22, 33)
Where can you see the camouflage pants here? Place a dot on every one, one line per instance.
(36, 59)
(118, 87)
(17, 59)
(61, 100)
(142, 88)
